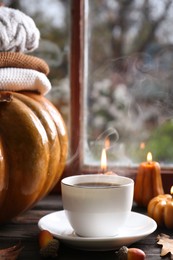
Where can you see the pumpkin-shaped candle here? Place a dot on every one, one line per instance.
(148, 183)
(160, 208)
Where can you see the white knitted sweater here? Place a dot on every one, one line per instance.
(16, 79)
(18, 31)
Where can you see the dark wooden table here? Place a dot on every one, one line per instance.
(24, 229)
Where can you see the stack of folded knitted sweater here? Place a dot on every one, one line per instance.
(20, 71)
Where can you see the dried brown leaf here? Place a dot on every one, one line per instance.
(167, 244)
(10, 253)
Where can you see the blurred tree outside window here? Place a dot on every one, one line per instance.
(129, 81)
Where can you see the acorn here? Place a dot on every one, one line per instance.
(48, 244)
(126, 253)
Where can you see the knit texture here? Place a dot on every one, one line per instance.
(18, 31)
(16, 79)
(20, 60)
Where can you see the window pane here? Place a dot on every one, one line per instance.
(129, 82)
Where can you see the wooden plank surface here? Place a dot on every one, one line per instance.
(24, 229)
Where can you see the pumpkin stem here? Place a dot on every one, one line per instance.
(5, 97)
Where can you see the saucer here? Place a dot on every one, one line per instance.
(136, 228)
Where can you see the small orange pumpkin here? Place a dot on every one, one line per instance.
(33, 150)
(160, 208)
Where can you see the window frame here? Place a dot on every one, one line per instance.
(75, 71)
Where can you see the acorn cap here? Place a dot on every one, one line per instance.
(51, 249)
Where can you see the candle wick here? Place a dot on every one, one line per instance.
(103, 171)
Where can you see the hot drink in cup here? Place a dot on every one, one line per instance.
(97, 205)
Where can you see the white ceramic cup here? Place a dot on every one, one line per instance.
(97, 211)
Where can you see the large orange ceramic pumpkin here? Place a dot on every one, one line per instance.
(33, 150)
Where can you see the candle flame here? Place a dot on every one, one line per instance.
(107, 143)
(142, 145)
(104, 160)
(171, 191)
(149, 157)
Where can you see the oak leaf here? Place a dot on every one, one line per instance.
(167, 244)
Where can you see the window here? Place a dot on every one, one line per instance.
(117, 84)
(127, 81)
